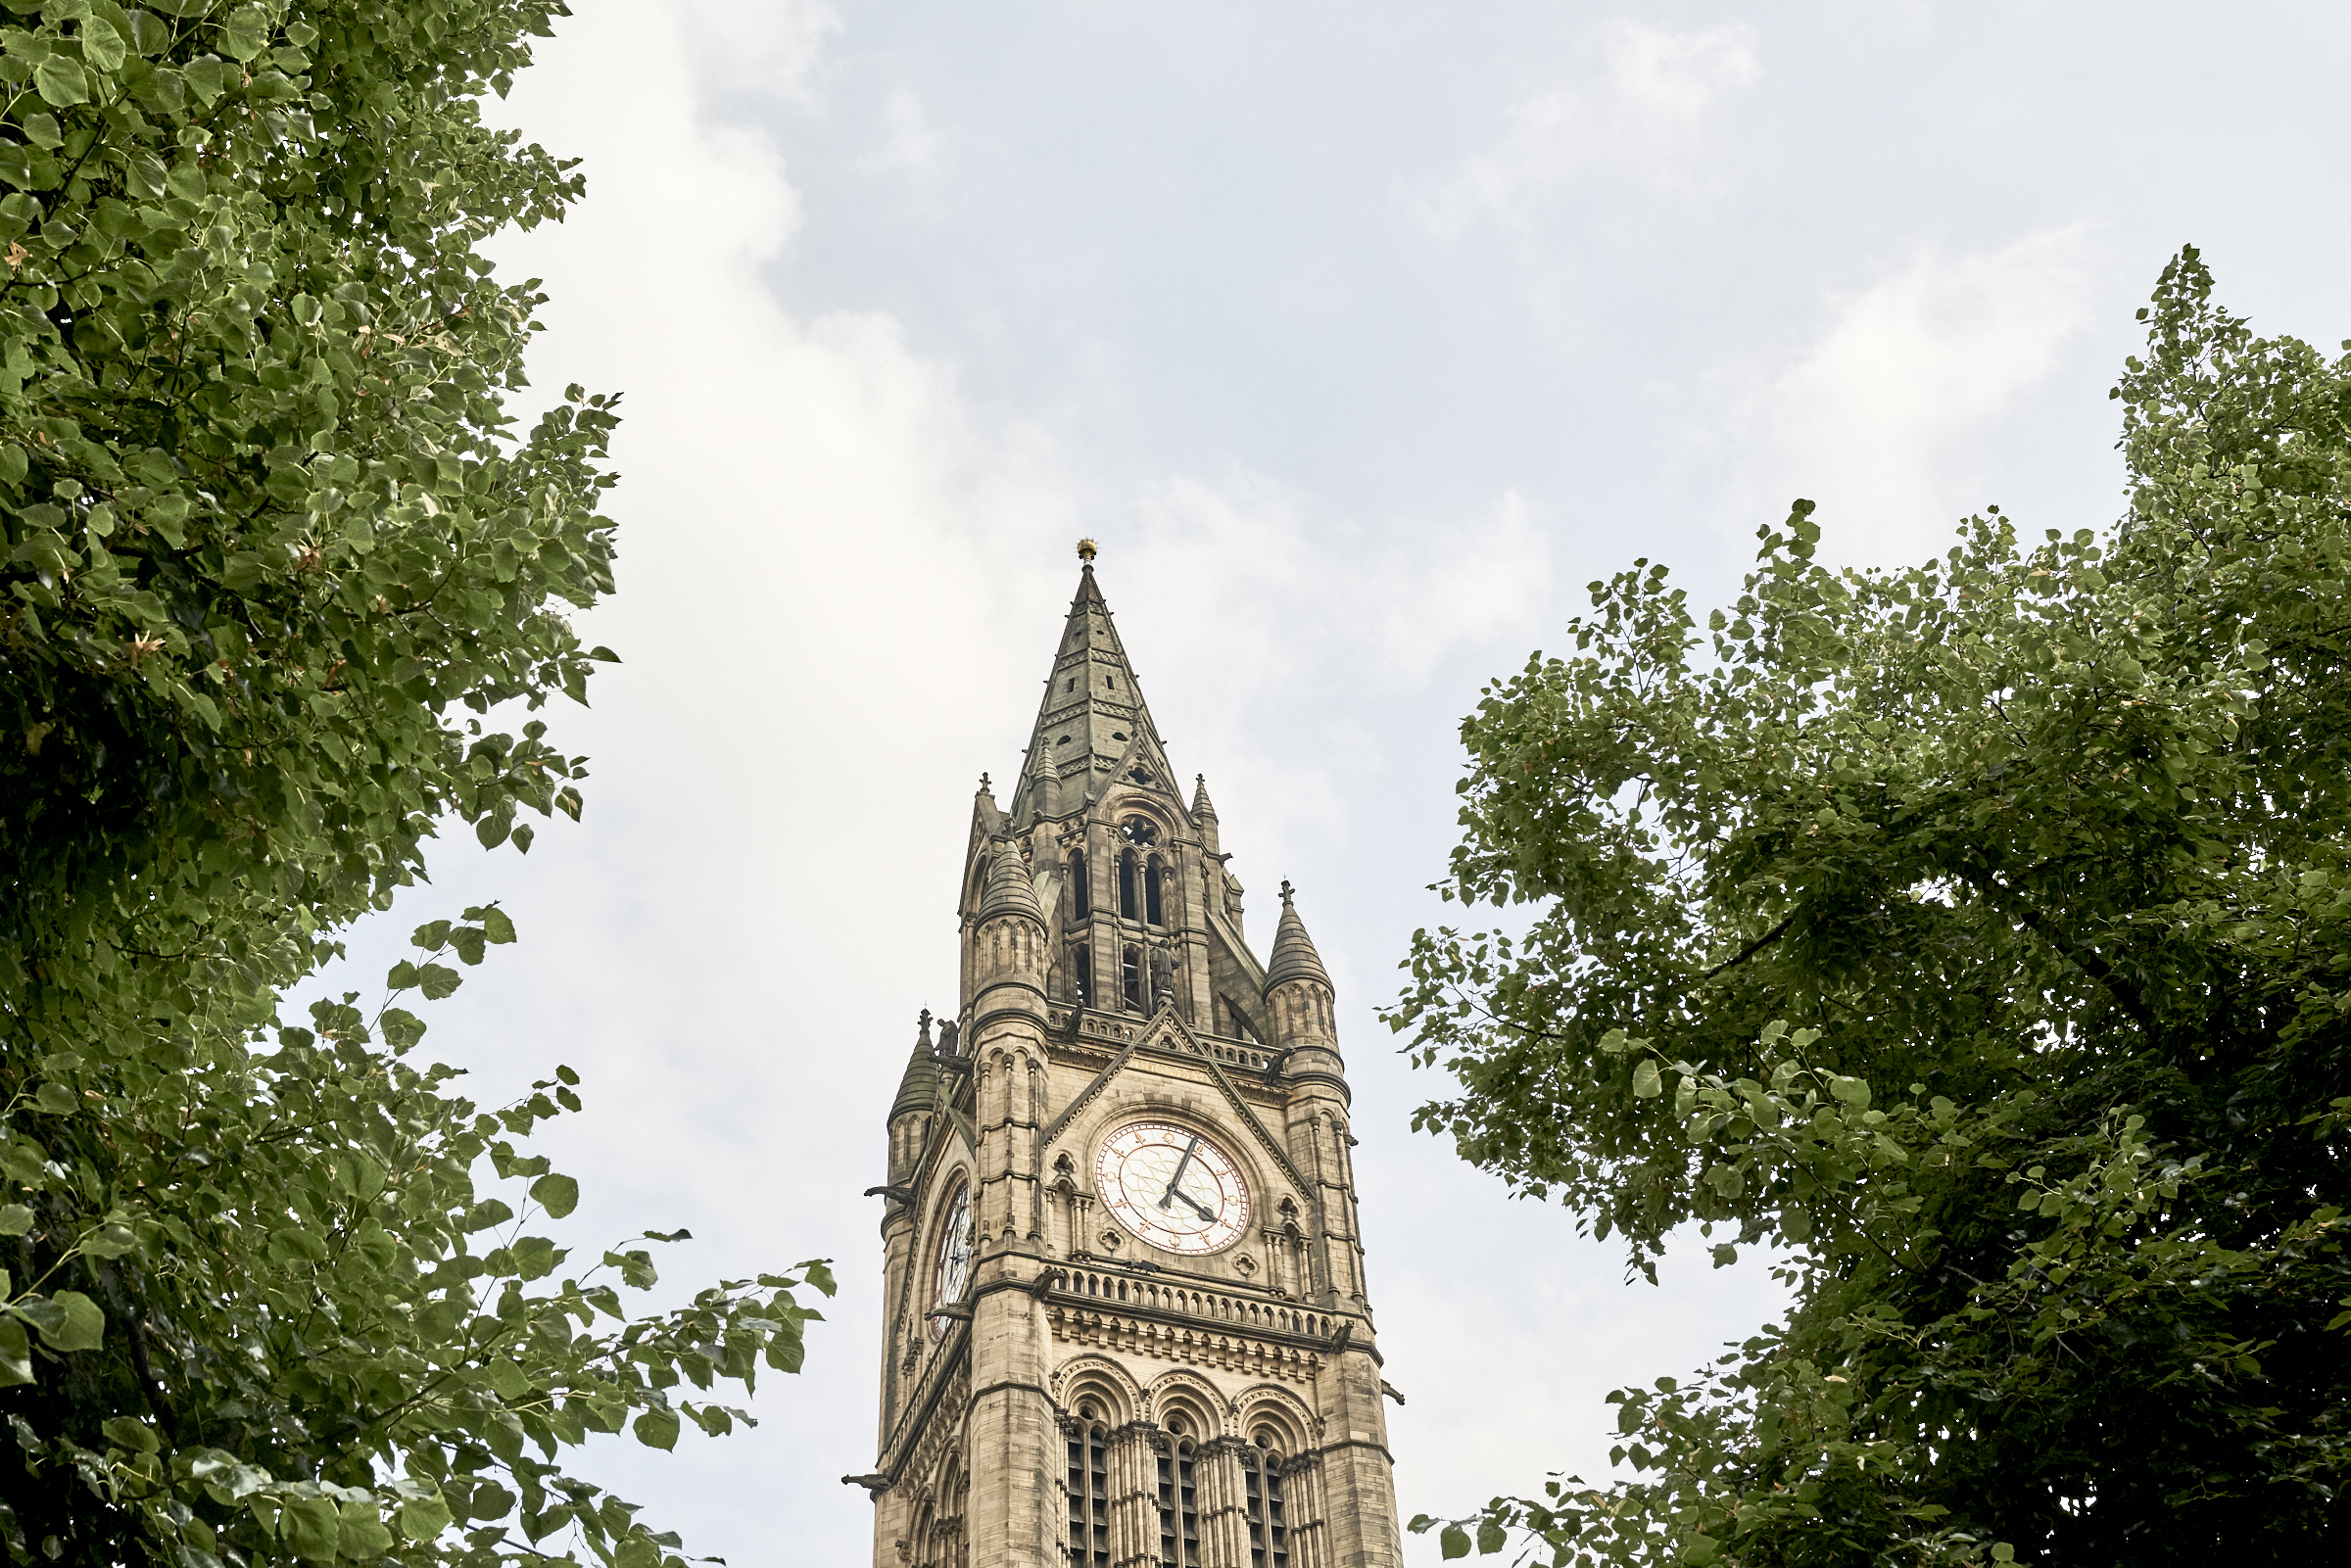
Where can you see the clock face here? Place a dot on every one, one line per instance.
(953, 1270)
(1173, 1187)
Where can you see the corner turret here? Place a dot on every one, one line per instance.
(1204, 811)
(1008, 931)
(1299, 998)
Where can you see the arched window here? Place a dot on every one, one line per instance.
(1081, 891)
(1178, 1498)
(1089, 1491)
(1130, 977)
(1154, 874)
(953, 1549)
(1082, 975)
(1127, 904)
(1261, 1491)
(978, 886)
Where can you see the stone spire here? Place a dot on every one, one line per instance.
(1044, 780)
(1009, 889)
(1294, 955)
(1204, 814)
(919, 1087)
(1093, 713)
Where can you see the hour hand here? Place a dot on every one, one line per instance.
(1207, 1214)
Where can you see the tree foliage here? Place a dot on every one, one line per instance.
(274, 551)
(1979, 937)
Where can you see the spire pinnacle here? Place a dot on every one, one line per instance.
(919, 1085)
(1085, 550)
(1294, 955)
(1009, 889)
(1093, 717)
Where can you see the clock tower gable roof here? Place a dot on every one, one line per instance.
(1168, 1033)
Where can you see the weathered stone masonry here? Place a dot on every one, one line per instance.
(1083, 1373)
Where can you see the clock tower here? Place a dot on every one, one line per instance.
(1124, 1323)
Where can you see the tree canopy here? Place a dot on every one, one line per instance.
(1977, 937)
(276, 558)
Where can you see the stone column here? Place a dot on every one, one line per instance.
(1134, 1495)
(1302, 1506)
(1224, 1504)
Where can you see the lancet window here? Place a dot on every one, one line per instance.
(1128, 909)
(1261, 1492)
(1180, 1498)
(1089, 1491)
(1154, 877)
(949, 1546)
(1130, 977)
(1081, 891)
(1081, 974)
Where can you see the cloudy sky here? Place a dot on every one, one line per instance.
(1361, 338)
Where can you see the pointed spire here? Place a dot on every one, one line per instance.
(1044, 780)
(1294, 955)
(1094, 714)
(1204, 816)
(919, 1085)
(1009, 889)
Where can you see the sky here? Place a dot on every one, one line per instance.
(1361, 338)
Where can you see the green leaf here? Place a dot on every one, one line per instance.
(60, 80)
(1453, 1541)
(1491, 1538)
(110, 1241)
(362, 1534)
(495, 926)
(509, 1379)
(16, 1354)
(422, 1517)
(133, 1437)
(1646, 1082)
(556, 1193)
(657, 1428)
(313, 1528)
(15, 1219)
(438, 980)
(101, 45)
(55, 1099)
(69, 1321)
(207, 75)
(246, 33)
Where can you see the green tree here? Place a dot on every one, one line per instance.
(1978, 937)
(274, 553)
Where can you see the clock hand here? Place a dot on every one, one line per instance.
(1181, 1165)
(1207, 1214)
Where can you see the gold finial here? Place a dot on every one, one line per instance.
(1085, 550)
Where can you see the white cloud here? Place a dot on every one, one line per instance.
(1880, 417)
(840, 581)
(1646, 116)
(1269, 623)
(911, 147)
(772, 52)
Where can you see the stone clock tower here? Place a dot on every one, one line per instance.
(1125, 1322)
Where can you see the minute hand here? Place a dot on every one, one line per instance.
(1172, 1194)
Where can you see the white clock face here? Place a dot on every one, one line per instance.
(1173, 1187)
(953, 1270)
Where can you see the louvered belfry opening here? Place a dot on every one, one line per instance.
(1089, 1492)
